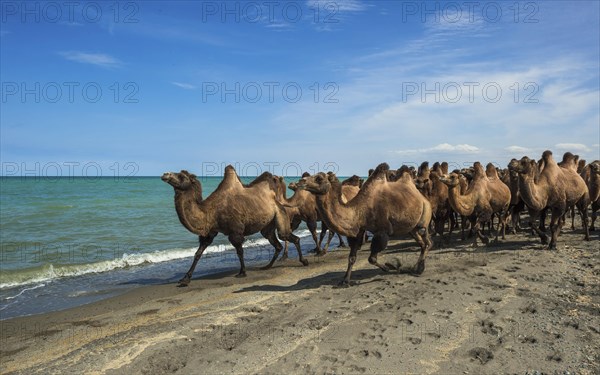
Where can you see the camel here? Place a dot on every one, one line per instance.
(591, 176)
(554, 188)
(300, 207)
(429, 184)
(511, 179)
(350, 188)
(483, 198)
(382, 207)
(232, 209)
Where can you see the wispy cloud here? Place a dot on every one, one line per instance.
(338, 5)
(445, 148)
(573, 147)
(99, 59)
(186, 86)
(517, 149)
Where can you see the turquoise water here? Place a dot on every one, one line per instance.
(68, 241)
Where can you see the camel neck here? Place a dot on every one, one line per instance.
(461, 203)
(532, 195)
(191, 215)
(338, 216)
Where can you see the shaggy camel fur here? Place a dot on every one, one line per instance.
(554, 188)
(483, 198)
(382, 207)
(302, 206)
(591, 175)
(429, 184)
(350, 188)
(232, 209)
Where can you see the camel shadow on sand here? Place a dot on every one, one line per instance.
(332, 279)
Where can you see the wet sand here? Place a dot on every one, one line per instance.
(506, 308)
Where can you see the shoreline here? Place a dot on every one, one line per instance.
(509, 307)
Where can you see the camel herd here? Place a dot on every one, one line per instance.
(390, 203)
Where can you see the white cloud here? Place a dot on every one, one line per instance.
(443, 148)
(573, 147)
(186, 86)
(517, 149)
(340, 5)
(99, 59)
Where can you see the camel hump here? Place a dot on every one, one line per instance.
(547, 156)
(305, 174)
(230, 169)
(478, 169)
(266, 176)
(491, 171)
(444, 167)
(423, 168)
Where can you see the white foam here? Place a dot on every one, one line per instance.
(50, 272)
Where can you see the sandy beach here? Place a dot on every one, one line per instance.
(506, 308)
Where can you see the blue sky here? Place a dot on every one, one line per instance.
(308, 85)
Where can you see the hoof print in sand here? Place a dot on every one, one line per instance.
(482, 354)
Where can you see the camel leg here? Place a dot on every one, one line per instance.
(542, 226)
(269, 234)
(555, 225)
(204, 243)
(342, 244)
(284, 255)
(533, 216)
(237, 240)
(595, 207)
(582, 207)
(573, 218)
(296, 241)
(422, 237)
(322, 234)
(312, 227)
(355, 244)
(479, 224)
(378, 243)
(451, 225)
(329, 238)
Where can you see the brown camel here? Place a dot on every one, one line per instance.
(591, 175)
(232, 209)
(350, 188)
(429, 184)
(483, 198)
(511, 179)
(555, 188)
(384, 208)
(302, 206)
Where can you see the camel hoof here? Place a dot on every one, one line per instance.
(268, 266)
(420, 268)
(304, 262)
(283, 257)
(183, 283)
(391, 266)
(342, 244)
(344, 284)
(241, 274)
(321, 253)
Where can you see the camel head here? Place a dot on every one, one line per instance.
(595, 167)
(293, 186)
(525, 166)
(352, 181)
(547, 156)
(183, 180)
(451, 180)
(318, 184)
